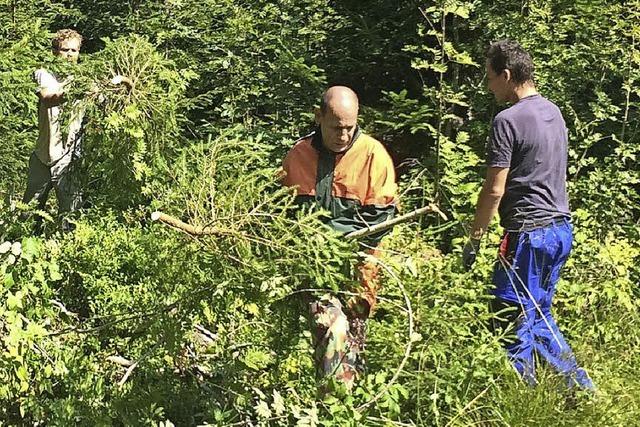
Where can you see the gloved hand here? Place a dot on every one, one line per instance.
(470, 252)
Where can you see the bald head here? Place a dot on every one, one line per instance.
(338, 97)
(338, 118)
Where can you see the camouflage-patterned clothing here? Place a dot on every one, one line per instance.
(339, 331)
(337, 351)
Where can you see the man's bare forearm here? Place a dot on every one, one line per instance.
(492, 191)
(488, 203)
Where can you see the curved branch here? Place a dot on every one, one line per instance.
(407, 351)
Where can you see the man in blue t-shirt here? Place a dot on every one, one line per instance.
(526, 184)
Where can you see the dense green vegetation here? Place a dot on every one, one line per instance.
(215, 327)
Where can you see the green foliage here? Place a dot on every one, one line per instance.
(256, 61)
(133, 130)
(128, 322)
(18, 103)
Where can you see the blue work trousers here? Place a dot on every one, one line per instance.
(525, 278)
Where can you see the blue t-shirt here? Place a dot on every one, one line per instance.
(530, 138)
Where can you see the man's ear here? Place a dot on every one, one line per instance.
(318, 115)
(507, 75)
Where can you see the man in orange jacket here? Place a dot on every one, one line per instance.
(349, 174)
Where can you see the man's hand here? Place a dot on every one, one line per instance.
(470, 252)
(122, 80)
(52, 97)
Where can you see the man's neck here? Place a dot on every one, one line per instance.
(522, 91)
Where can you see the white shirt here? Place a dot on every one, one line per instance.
(51, 147)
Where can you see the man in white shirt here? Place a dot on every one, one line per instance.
(51, 161)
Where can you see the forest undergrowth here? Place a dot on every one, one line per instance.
(126, 321)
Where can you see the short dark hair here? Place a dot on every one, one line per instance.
(324, 102)
(509, 55)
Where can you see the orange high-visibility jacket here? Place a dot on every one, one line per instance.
(357, 186)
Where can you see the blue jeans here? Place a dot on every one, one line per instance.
(525, 278)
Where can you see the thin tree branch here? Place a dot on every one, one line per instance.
(398, 220)
(407, 351)
(183, 226)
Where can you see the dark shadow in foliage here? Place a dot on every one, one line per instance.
(365, 52)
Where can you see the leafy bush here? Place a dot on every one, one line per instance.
(126, 321)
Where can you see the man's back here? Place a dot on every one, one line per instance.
(530, 138)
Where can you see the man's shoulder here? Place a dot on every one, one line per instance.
(43, 72)
(305, 139)
(301, 147)
(525, 108)
(370, 150)
(370, 144)
(508, 115)
(303, 143)
(369, 140)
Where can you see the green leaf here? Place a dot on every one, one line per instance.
(9, 281)
(54, 272)
(278, 403)
(22, 374)
(30, 248)
(461, 10)
(257, 359)
(462, 137)
(262, 409)
(14, 300)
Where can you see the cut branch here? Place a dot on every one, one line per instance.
(120, 361)
(132, 366)
(395, 221)
(194, 230)
(127, 374)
